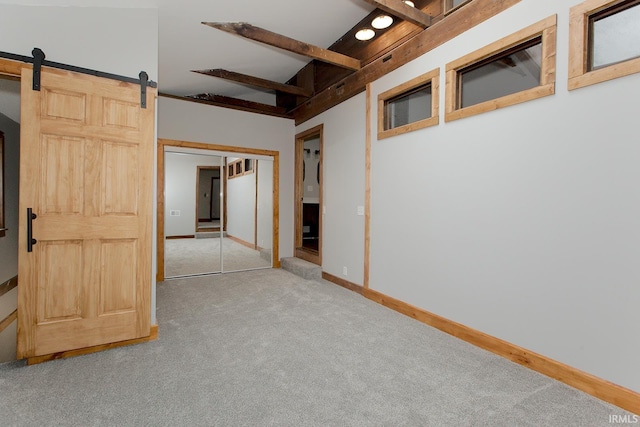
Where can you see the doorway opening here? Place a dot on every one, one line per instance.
(9, 194)
(308, 193)
(208, 206)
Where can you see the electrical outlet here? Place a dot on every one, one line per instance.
(344, 270)
(174, 213)
(361, 210)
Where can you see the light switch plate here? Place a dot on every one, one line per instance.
(361, 210)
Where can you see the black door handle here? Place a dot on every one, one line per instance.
(30, 240)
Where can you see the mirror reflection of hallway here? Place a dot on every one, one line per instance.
(208, 200)
(215, 223)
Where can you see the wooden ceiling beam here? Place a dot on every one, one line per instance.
(467, 17)
(283, 42)
(233, 103)
(402, 10)
(256, 81)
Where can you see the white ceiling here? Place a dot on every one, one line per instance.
(186, 44)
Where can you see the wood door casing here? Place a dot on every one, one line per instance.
(300, 251)
(86, 170)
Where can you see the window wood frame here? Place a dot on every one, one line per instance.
(579, 29)
(546, 30)
(432, 78)
(251, 167)
(448, 6)
(2, 189)
(237, 168)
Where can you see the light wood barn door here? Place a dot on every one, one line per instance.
(86, 166)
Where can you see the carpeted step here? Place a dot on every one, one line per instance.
(265, 254)
(302, 268)
(209, 234)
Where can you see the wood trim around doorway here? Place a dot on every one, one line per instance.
(162, 143)
(300, 252)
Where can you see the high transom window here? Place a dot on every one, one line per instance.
(515, 69)
(614, 35)
(410, 106)
(605, 41)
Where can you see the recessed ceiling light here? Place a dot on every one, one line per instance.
(382, 21)
(365, 34)
(409, 3)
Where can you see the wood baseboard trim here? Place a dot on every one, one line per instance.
(81, 351)
(308, 255)
(344, 283)
(242, 242)
(4, 324)
(186, 236)
(604, 390)
(8, 285)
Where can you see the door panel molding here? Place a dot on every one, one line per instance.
(86, 170)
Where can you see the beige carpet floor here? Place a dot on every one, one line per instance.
(268, 348)
(200, 256)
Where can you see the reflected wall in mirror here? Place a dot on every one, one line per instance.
(193, 213)
(247, 243)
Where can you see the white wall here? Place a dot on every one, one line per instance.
(523, 223)
(10, 99)
(241, 207)
(120, 41)
(343, 178)
(194, 122)
(181, 171)
(9, 243)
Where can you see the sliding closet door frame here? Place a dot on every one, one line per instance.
(225, 150)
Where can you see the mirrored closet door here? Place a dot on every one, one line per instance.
(218, 212)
